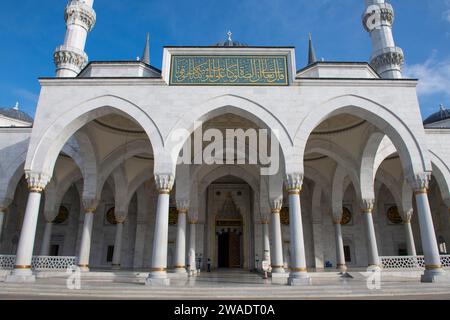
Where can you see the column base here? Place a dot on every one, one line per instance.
(277, 269)
(374, 268)
(157, 279)
(21, 276)
(435, 276)
(180, 270)
(299, 279)
(115, 267)
(279, 278)
(342, 268)
(83, 267)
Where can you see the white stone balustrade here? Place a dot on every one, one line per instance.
(410, 262)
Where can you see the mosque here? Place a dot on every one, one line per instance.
(128, 167)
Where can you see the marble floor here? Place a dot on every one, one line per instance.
(223, 284)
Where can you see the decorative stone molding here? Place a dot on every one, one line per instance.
(183, 206)
(367, 205)
(164, 183)
(77, 12)
(337, 216)
(90, 205)
(4, 203)
(36, 181)
(50, 215)
(120, 216)
(69, 57)
(294, 182)
(394, 57)
(419, 182)
(276, 205)
(380, 14)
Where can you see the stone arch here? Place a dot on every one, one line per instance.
(413, 158)
(224, 104)
(441, 173)
(392, 185)
(47, 142)
(12, 170)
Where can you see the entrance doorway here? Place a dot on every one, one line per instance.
(229, 250)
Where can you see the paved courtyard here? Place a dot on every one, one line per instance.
(229, 285)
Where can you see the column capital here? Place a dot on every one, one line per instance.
(90, 205)
(337, 216)
(367, 205)
(407, 215)
(276, 205)
(420, 182)
(164, 183)
(264, 221)
(50, 215)
(4, 203)
(293, 182)
(37, 181)
(182, 206)
(120, 215)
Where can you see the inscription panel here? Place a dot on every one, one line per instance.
(226, 70)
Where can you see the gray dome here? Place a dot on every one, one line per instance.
(14, 113)
(441, 115)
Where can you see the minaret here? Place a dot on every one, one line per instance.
(70, 58)
(387, 59)
(311, 52)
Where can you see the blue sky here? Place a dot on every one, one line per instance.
(30, 30)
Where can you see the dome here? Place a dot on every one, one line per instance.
(441, 115)
(230, 43)
(15, 113)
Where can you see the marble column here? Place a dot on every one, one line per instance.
(90, 205)
(374, 263)
(340, 255)
(433, 267)
(410, 246)
(277, 240)
(266, 240)
(158, 273)
(22, 270)
(180, 245)
(118, 244)
(192, 246)
(298, 274)
(45, 247)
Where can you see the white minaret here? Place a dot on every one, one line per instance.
(387, 59)
(70, 58)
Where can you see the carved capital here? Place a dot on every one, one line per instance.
(4, 203)
(337, 216)
(70, 58)
(419, 182)
(394, 56)
(276, 205)
(367, 205)
(164, 183)
(36, 181)
(407, 215)
(182, 206)
(294, 182)
(77, 12)
(90, 205)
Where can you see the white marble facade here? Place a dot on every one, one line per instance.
(350, 135)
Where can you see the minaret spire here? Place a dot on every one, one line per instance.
(387, 59)
(311, 52)
(70, 57)
(146, 54)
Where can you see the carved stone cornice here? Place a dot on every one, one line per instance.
(70, 57)
(77, 12)
(294, 182)
(164, 183)
(376, 15)
(420, 182)
(394, 56)
(182, 206)
(36, 181)
(367, 205)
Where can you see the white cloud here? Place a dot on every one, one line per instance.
(433, 75)
(447, 15)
